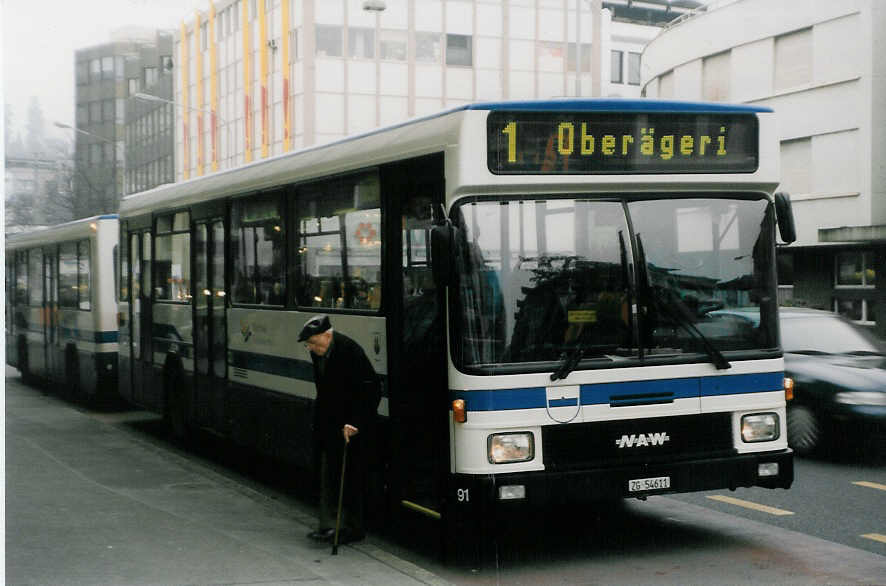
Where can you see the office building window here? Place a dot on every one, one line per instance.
(150, 76)
(585, 57)
(458, 50)
(793, 60)
(82, 73)
(361, 43)
(95, 70)
(393, 45)
(715, 77)
(107, 67)
(82, 114)
(166, 63)
(428, 47)
(134, 85)
(329, 41)
(108, 110)
(550, 56)
(854, 269)
(634, 68)
(95, 111)
(615, 67)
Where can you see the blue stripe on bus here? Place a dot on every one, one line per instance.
(761, 382)
(105, 337)
(276, 365)
(624, 393)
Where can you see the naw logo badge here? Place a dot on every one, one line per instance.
(245, 330)
(642, 440)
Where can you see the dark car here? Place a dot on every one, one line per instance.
(839, 372)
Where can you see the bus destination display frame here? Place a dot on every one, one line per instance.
(607, 143)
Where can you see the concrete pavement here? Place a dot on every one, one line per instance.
(88, 503)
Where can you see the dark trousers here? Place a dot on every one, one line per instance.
(330, 482)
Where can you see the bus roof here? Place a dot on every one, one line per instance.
(49, 234)
(615, 105)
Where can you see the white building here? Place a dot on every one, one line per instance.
(820, 65)
(318, 70)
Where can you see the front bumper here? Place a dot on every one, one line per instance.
(552, 488)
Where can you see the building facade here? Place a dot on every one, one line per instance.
(149, 122)
(106, 76)
(37, 191)
(819, 65)
(262, 77)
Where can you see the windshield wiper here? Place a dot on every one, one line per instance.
(672, 311)
(569, 360)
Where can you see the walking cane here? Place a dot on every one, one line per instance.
(341, 494)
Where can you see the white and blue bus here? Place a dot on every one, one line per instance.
(61, 311)
(544, 287)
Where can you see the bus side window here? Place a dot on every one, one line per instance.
(339, 244)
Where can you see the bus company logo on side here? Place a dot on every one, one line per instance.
(642, 440)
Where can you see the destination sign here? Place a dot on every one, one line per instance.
(562, 143)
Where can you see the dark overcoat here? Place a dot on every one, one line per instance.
(347, 392)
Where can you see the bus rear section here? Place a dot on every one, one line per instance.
(615, 335)
(61, 311)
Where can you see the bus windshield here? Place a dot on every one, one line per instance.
(603, 282)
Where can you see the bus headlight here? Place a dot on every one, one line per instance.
(511, 447)
(759, 427)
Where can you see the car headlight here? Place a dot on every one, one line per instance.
(759, 427)
(861, 398)
(511, 447)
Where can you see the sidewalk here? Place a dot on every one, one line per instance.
(87, 503)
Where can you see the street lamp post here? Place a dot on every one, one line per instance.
(377, 7)
(153, 98)
(85, 177)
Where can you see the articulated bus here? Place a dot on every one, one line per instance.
(544, 287)
(61, 310)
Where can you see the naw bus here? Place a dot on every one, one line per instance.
(544, 288)
(61, 310)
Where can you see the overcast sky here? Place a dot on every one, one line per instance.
(40, 36)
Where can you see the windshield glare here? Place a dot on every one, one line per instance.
(540, 279)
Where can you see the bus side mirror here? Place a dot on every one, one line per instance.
(784, 214)
(441, 254)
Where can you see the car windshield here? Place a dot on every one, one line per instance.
(543, 280)
(826, 335)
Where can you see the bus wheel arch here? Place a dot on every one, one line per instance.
(175, 398)
(72, 371)
(23, 366)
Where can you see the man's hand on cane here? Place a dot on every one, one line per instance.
(349, 431)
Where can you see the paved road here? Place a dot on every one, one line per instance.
(89, 503)
(840, 497)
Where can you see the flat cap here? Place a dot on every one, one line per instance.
(316, 325)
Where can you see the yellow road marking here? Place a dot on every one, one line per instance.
(870, 484)
(875, 537)
(750, 505)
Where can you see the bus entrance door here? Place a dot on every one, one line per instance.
(50, 314)
(210, 329)
(142, 358)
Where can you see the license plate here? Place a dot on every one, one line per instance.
(642, 484)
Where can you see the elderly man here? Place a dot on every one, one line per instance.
(347, 399)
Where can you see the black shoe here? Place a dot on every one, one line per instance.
(349, 536)
(322, 535)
